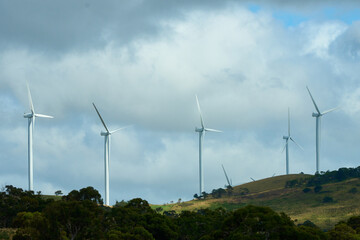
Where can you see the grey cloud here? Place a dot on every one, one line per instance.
(79, 25)
(61, 26)
(347, 46)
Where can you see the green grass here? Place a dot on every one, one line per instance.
(300, 206)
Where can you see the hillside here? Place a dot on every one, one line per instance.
(334, 202)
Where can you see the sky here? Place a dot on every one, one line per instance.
(143, 62)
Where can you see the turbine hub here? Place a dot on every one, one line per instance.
(316, 114)
(199, 129)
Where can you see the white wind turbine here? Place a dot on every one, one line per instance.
(201, 132)
(106, 154)
(287, 138)
(318, 115)
(31, 122)
(227, 178)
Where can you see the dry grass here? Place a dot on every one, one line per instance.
(298, 205)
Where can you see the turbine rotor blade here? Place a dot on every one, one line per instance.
(107, 130)
(42, 115)
(198, 105)
(288, 121)
(212, 130)
(296, 143)
(316, 107)
(227, 179)
(330, 110)
(287, 141)
(30, 99)
(111, 132)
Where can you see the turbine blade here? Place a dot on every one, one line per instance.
(111, 132)
(253, 179)
(330, 110)
(288, 121)
(43, 115)
(212, 130)
(30, 99)
(287, 140)
(316, 107)
(101, 118)
(198, 105)
(296, 143)
(227, 179)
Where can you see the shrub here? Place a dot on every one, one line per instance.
(353, 190)
(317, 188)
(327, 199)
(306, 190)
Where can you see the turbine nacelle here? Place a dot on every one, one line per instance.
(286, 137)
(105, 133)
(316, 114)
(28, 115)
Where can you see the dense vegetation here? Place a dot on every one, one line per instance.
(326, 177)
(81, 215)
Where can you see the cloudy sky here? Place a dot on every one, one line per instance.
(142, 62)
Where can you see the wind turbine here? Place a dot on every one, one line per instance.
(227, 179)
(106, 134)
(31, 122)
(318, 115)
(201, 132)
(287, 144)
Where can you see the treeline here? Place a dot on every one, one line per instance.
(81, 215)
(325, 177)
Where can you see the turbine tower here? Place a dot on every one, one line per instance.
(106, 134)
(318, 115)
(31, 122)
(287, 144)
(201, 132)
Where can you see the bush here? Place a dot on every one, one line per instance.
(353, 190)
(317, 188)
(306, 190)
(327, 199)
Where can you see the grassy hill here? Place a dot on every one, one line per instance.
(334, 202)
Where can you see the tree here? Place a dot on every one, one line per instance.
(88, 193)
(342, 231)
(58, 193)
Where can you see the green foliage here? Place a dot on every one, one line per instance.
(353, 190)
(217, 193)
(317, 188)
(14, 200)
(343, 232)
(354, 223)
(306, 190)
(58, 193)
(88, 193)
(327, 199)
(79, 216)
(334, 176)
(296, 182)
